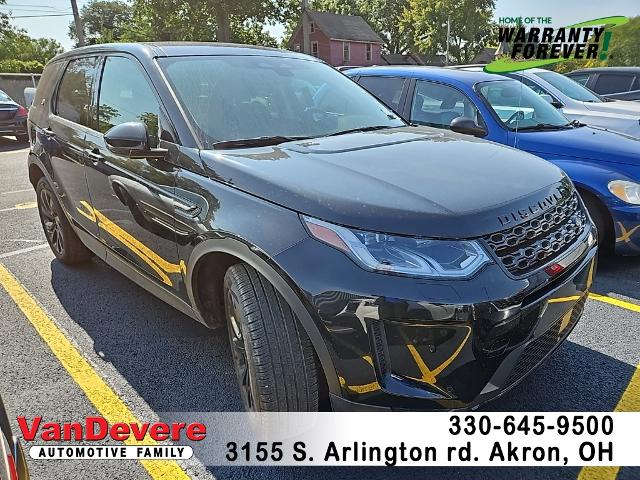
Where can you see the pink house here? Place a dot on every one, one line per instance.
(338, 39)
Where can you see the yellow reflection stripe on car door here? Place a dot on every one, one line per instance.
(159, 265)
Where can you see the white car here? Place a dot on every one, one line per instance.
(578, 102)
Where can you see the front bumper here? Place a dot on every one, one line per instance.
(626, 224)
(406, 343)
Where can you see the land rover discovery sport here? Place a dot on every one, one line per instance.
(357, 262)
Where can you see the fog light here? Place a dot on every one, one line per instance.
(554, 269)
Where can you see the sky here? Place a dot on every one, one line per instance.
(562, 12)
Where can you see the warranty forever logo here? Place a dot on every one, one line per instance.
(547, 46)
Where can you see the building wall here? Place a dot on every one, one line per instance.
(324, 46)
(358, 54)
(13, 84)
(331, 50)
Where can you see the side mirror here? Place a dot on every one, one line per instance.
(468, 126)
(131, 139)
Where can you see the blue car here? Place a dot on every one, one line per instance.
(604, 166)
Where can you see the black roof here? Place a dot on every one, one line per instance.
(607, 69)
(344, 27)
(171, 49)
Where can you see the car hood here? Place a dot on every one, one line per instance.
(617, 107)
(409, 180)
(589, 143)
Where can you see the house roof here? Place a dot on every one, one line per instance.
(486, 55)
(344, 27)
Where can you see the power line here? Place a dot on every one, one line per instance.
(33, 5)
(47, 15)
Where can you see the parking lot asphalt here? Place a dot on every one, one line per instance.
(156, 360)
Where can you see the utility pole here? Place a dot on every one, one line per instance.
(306, 44)
(78, 23)
(446, 59)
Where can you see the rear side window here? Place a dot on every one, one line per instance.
(386, 89)
(613, 83)
(74, 94)
(127, 96)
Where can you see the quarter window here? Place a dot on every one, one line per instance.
(74, 95)
(123, 101)
(386, 89)
(581, 78)
(438, 105)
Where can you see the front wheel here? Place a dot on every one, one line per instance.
(275, 363)
(64, 242)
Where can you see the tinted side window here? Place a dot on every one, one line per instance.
(613, 83)
(437, 105)
(127, 96)
(581, 78)
(74, 94)
(387, 89)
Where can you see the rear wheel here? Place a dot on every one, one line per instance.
(276, 366)
(64, 242)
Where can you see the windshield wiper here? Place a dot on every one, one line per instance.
(255, 142)
(361, 129)
(545, 126)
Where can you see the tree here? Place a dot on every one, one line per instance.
(21, 53)
(623, 50)
(104, 21)
(204, 20)
(386, 17)
(470, 20)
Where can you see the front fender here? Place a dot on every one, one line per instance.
(254, 257)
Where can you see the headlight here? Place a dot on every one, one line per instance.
(626, 191)
(417, 257)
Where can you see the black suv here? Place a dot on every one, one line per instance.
(357, 261)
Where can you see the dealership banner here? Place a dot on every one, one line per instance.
(383, 439)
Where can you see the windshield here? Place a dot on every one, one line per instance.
(520, 108)
(249, 97)
(570, 88)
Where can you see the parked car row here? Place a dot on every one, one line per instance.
(603, 165)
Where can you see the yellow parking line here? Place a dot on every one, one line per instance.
(614, 301)
(629, 401)
(99, 393)
(20, 206)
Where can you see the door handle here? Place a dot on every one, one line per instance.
(94, 156)
(49, 133)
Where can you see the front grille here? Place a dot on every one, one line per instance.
(528, 246)
(537, 350)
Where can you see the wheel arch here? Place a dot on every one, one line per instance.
(229, 251)
(585, 191)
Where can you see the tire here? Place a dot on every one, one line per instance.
(64, 242)
(601, 218)
(23, 138)
(276, 365)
